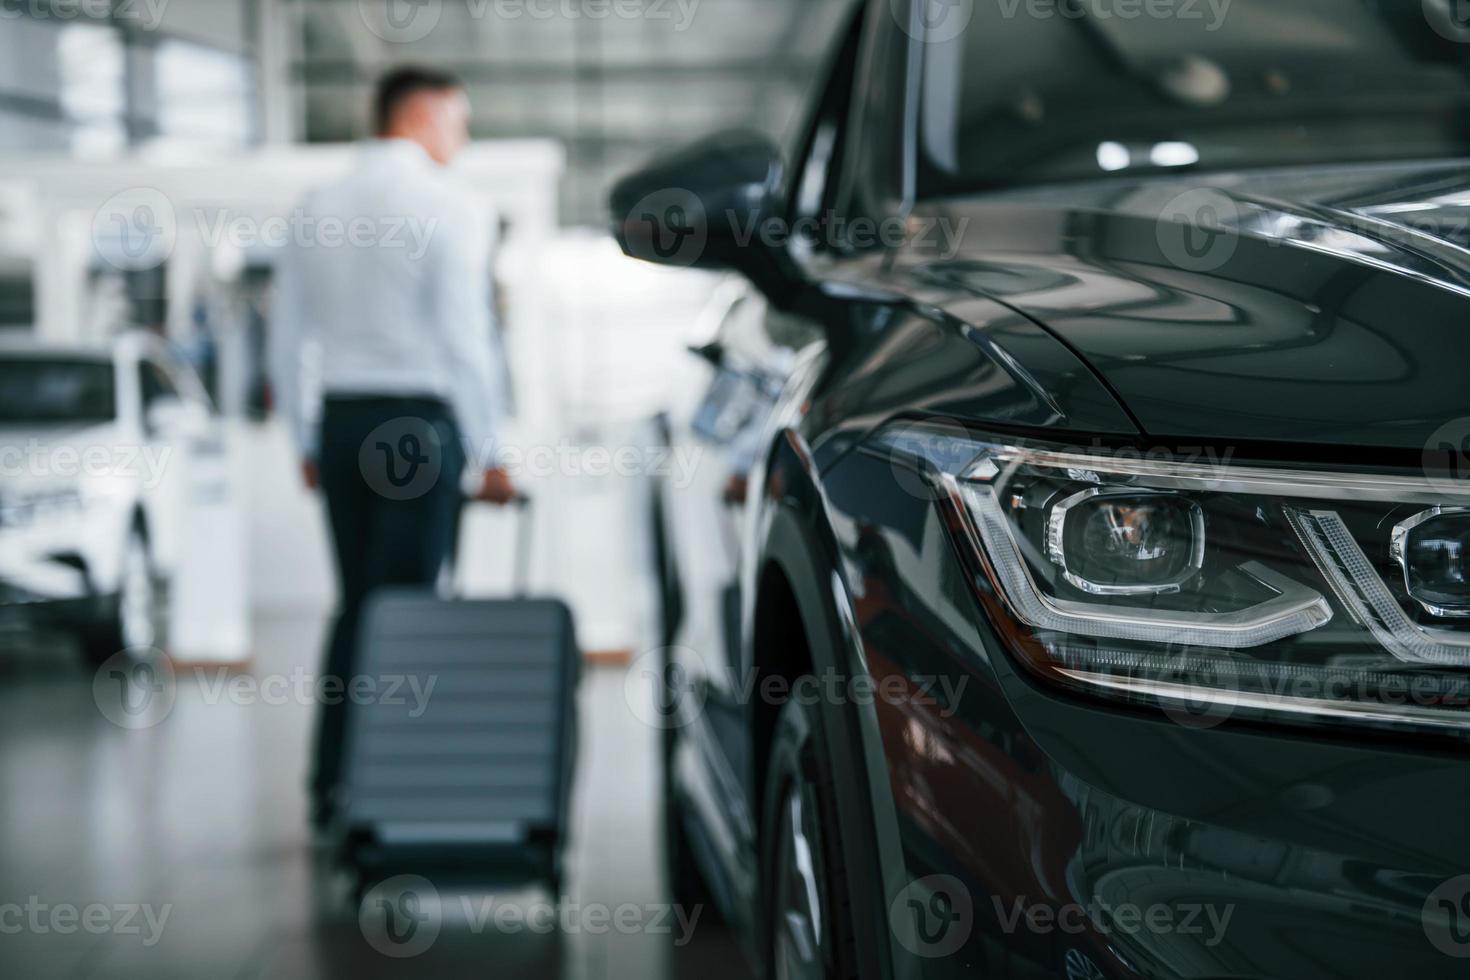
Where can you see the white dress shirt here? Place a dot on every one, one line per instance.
(384, 289)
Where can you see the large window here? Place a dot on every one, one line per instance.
(205, 96)
(89, 86)
(93, 88)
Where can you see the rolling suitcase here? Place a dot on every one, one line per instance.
(469, 780)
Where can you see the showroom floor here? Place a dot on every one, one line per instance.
(181, 850)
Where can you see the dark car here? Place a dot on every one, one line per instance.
(1104, 599)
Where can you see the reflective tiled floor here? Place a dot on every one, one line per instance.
(181, 850)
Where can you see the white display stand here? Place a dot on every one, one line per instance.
(210, 608)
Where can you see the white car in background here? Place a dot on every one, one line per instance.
(94, 457)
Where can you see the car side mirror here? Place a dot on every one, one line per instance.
(712, 205)
(712, 353)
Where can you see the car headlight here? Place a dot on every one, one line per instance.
(23, 508)
(1321, 595)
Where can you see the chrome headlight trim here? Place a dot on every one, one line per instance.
(1056, 525)
(1362, 592)
(1227, 477)
(1349, 711)
(1295, 608)
(1398, 550)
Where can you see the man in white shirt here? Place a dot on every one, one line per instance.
(383, 364)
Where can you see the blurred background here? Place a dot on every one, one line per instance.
(145, 148)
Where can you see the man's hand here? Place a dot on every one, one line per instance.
(496, 488)
(310, 475)
(735, 488)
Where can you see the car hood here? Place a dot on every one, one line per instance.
(1305, 306)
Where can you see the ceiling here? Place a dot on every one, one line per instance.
(615, 81)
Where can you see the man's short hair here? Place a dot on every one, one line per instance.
(402, 84)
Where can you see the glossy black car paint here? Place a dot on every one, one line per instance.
(1329, 318)
(1328, 334)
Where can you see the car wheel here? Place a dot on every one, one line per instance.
(810, 911)
(134, 618)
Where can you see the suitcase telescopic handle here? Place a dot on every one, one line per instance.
(522, 504)
(521, 573)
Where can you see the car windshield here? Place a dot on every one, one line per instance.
(1047, 90)
(55, 390)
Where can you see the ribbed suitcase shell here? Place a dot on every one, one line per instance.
(481, 775)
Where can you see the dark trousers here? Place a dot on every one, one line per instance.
(390, 471)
